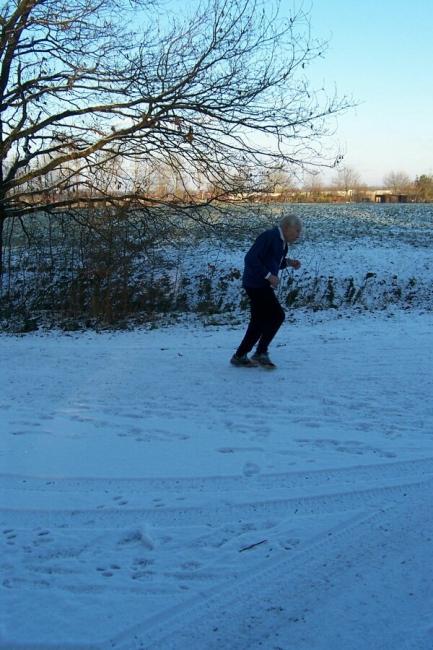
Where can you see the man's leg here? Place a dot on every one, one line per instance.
(274, 319)
(257, 320)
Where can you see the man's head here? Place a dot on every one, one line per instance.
(291, 227)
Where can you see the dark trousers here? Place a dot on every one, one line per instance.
(267, 316)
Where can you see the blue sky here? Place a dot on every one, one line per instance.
(381, 52)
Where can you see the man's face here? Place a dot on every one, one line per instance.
(291, 233)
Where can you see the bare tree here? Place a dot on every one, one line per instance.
(313, 186)
(397, 182)
(278, 182)
(89, 82)
(348, 181)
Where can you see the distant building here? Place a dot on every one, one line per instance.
(384, 196)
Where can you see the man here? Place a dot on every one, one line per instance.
(260, 278)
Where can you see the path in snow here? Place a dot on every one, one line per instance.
(156, 497)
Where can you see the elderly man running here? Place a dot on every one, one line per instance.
(266, 257)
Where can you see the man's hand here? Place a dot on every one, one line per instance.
(273, 281)
(295, 264)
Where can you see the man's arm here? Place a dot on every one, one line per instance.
(255, 256)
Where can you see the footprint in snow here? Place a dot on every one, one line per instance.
(107, 572)
(250, 469)
(10, 535)
(121, 501)
(232, 450)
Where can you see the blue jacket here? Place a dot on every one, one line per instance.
(266, 255)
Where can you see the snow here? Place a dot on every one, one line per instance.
(373, 256)
(153, 496)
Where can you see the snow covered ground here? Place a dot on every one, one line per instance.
(155, 497)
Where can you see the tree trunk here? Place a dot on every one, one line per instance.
(2, 224)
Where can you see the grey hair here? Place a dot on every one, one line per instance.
(290, 220)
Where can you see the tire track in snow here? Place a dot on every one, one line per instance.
(379, 496)
(356, 473)
(245, 614)
(216, 514)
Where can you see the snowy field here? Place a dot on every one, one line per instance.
(154, 497)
